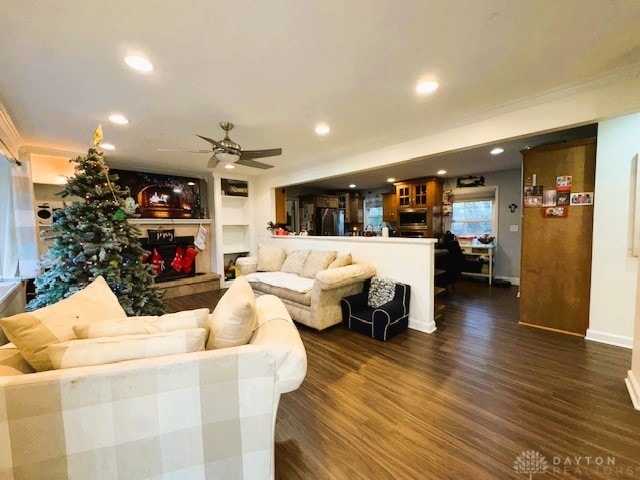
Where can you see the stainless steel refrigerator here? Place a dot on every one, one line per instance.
(329, 221)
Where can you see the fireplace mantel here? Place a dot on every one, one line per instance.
(170, 221)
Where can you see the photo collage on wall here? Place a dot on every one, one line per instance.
(555, 202)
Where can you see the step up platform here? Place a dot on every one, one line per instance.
(200, 283)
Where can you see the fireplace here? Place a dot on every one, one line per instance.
(167, 251)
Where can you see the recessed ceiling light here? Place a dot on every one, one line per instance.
(107, 146)
(497, 151)
(118, 119)
(391, 179)
(61, 180)
(441, 172)
(229, 166)
(322, 129)
(353, 185)
(138, 63)
(427, 87)
(191, 183)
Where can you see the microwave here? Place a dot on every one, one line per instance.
(413, 218)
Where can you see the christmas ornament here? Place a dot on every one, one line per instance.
(119, 215)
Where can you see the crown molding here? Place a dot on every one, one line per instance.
(9, 135)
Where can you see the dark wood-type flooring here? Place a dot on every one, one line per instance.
(461, 403)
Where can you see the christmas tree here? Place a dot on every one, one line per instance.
(94, 238)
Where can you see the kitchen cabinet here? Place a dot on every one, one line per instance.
(419, 193)
(389, 207)
(281, 205)
(356, 210)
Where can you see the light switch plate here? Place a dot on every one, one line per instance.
(513, 228)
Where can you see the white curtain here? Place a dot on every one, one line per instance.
(8, 238)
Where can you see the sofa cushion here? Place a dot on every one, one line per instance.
(282, 293)
(318, 260)
(99, 351)
(341, 261)
(295, 261)
(234, 318)
(198, 318)
(381, 291)
(12, 362)
(33, 332)
(290, 281)
(270, 258)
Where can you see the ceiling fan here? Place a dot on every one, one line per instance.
(229, 152)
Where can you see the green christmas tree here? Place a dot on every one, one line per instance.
(94, 238)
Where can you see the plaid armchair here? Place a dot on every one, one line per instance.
(381, 323)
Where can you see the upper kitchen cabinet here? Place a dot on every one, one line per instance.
(389, 207)
(419, 193)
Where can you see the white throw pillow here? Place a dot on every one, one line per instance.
(295, 261)
(33, 332)
(198, 318)
(234, 318)
(381, 291)
(270, 258)
(341, 261)
(99, 351)
(317, 261)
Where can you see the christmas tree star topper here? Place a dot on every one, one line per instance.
(97, 136)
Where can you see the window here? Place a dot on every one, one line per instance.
(473, 217)
(474, 211)
(373, 212)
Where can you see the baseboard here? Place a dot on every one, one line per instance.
(634, 389)
(422, 326)
(609, 338)
(514, 280)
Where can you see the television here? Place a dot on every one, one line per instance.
(163, 196)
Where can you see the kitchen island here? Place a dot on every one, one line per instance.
(406, 260)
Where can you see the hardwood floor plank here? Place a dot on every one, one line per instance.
(460, 403)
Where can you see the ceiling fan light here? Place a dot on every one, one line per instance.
(229, 166)
(227, 157)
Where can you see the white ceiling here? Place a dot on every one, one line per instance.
(277, 68)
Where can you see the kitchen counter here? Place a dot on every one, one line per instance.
(347, 238)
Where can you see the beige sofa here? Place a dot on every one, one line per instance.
(206, 414)
(310, 286)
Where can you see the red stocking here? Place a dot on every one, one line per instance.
(157, 264)
(176, 264)
(189, 257)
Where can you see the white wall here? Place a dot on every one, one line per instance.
(613, 269)
(405, 260)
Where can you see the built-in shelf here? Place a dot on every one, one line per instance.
(170, 221)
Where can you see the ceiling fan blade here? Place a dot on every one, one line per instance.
(252, 163)
(213, 162)
(210, 140)
(182, 151)
(260, 153)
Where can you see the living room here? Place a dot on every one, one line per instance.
(515, 71)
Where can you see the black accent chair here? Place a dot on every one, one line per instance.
(381, 323)
(453, 264)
